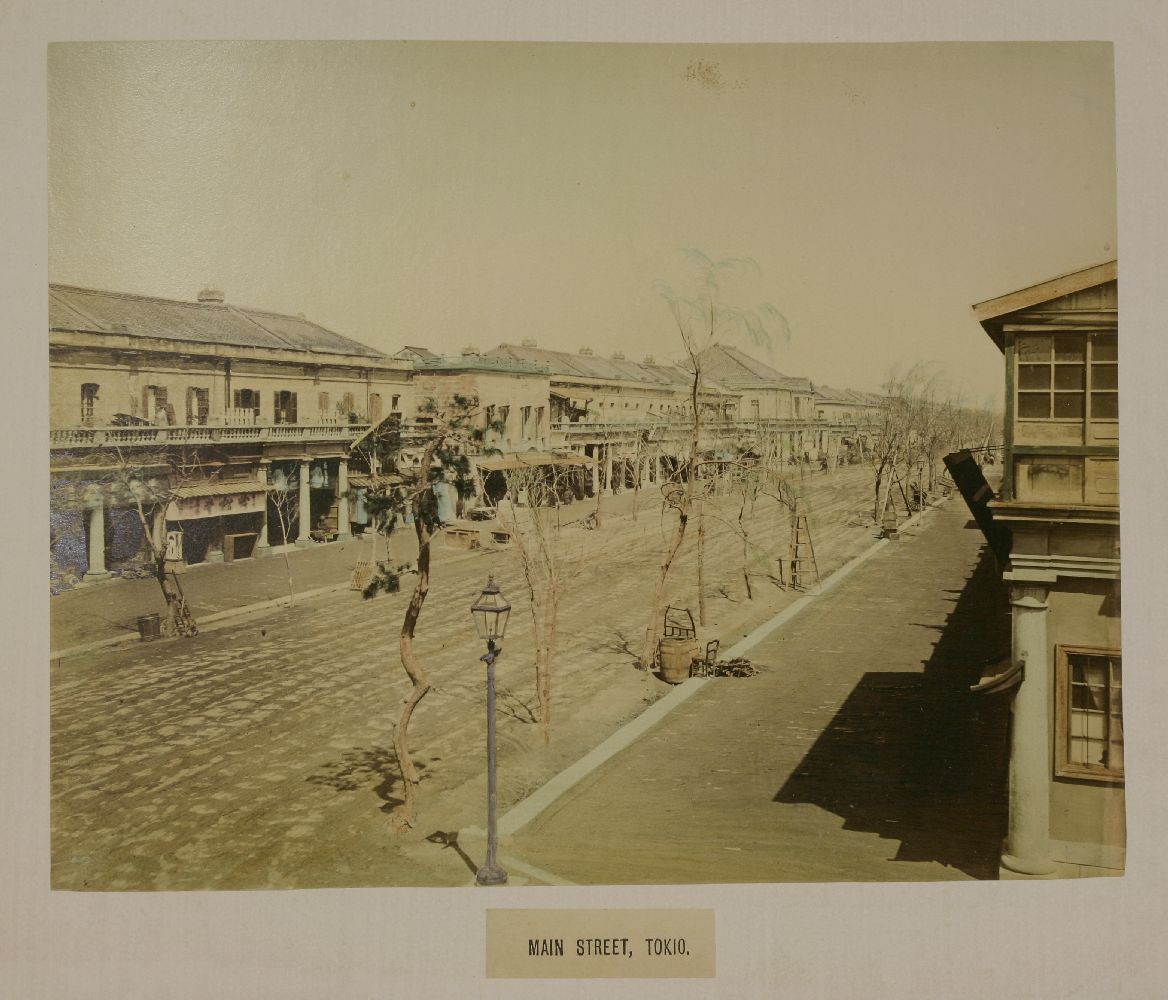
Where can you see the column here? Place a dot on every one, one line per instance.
(608, 470)
(158, 529)
(344, 528)
(658, 470)
(646, 469)
(97, 570)
(304, 520)
(596, 473)
(263, 546)
(1028, 837)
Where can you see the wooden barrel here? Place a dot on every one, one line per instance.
(677, 656)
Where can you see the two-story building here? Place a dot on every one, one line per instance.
(1059, 509)
(213, 413)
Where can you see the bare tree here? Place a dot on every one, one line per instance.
(700, 319)
(286, 504)
(547, 568)
(151, 481)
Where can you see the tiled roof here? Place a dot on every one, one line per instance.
(593, 366)
(738, 369)
(91, 310)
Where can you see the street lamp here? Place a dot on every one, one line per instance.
(490, 614)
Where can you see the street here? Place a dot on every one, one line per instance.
(260, 754)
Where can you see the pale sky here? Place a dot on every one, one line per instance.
(448, 194)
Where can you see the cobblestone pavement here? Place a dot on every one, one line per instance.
(260, 755)
(858, 754)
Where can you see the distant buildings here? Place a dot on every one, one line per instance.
(1059, 502)
(244, 420)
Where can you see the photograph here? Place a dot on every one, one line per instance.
(551, 464)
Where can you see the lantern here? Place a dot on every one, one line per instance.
(491, 612)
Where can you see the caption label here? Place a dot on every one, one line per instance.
(588, 944)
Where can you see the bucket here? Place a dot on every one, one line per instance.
(149, 627)
(677, 656)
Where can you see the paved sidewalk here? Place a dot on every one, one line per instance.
(857, 753)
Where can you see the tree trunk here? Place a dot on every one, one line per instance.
(702, 562)
(405, 815)
(653, 632)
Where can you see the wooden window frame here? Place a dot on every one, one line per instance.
(1064, 767)
(1088, 365)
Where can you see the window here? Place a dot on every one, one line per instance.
(246, 399)
(1060, 375)
(155, 406)
(394, 400)
(88, 399)
(524, 421)
(323, 406)
(198, 406)
(284, 407)
(345, 406)
(374, 407)
(1089, 713)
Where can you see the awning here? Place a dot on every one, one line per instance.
(217, 499)
(529, 460)
(218, 488)
(361, 481)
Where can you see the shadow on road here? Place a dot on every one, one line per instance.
(916, 757)
(360, 767)
(451, 840)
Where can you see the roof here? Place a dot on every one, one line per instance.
(421, 352)
(738, 369)
(593, 366)
(90, 310)
(1055, 288)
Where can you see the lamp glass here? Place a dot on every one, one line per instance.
(491, 612)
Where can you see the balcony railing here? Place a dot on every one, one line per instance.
(147, 437)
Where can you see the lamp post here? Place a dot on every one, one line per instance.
(490, 617)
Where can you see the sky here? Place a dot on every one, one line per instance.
(454, 194)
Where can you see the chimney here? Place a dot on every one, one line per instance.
(470, 351)
(211, 296)
(529, 342)
(650, 360)
(618, 356)
(586, 351)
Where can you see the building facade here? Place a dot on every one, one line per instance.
(227, 429)
(1059, 507)
(218, 431)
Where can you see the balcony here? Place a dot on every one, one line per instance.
(154, 437)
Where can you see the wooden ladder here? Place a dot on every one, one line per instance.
(802, 550)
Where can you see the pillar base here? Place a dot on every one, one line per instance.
(304, 543)
(214, 557)
(260, 551)
(1012, 867)
(345, 537)
(490, 875)
(97, 577)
